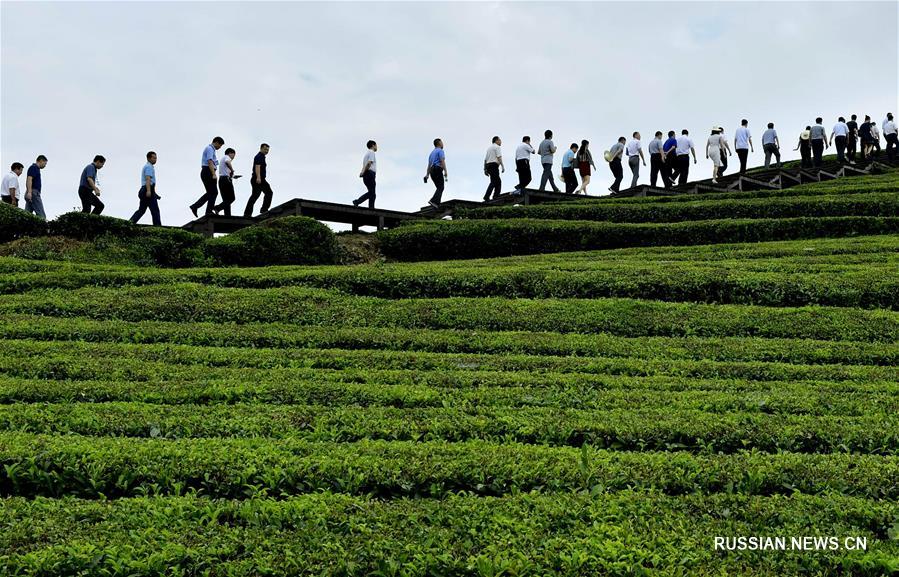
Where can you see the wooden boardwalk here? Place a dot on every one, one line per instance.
(771, 179)
(359, 216)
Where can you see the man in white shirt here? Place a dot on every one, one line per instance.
(743, 144)
(10, 187)
(523, 163)
(493, 162)
(891, 134)
(875, 134)
(771, 145)
(634, 157)
(840, 133)
(369, 170)
(683, 151)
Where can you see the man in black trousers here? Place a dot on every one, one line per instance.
(208, 167)
(259, 184)
(655, 158)
(368, 174)
(819, 141)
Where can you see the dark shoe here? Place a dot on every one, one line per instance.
(434, 204)
(193, 209)
(355, 203)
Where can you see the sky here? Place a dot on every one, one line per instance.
(316, 80)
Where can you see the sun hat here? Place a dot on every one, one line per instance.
(607, 155)
(805, 134)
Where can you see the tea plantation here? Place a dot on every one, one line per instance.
(634, 378)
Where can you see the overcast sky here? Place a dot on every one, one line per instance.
(316, 80)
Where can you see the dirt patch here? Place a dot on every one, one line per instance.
(358, 248)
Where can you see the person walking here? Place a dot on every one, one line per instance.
(743, 144)
(368, 174)
(584, 164)
(771, 145)
(669, 160)
(259, 183)
(635, 156)
(852, 139)
(493, 162)
(891, 135)
(208, 167)
(546, 150)
(713, 150)
(804, 147)
(684, 149)
(818, 136)
(523, 164)
(146, 194)
(655, 158)
(437, 172)
(33, 202)
(725, 152)
(615, 154)
(875, 137)
(88, 187)
(226, 183)
(10, 189)
(568, 162)
(867, 138)
(840, 135)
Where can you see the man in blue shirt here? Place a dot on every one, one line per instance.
(33, 202)
(208, 166)
(146, 194)
(568, 173)
(437, 172)
(258, 183)
(669, 160)
(88, 189)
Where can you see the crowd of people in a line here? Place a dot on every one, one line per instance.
(217, 178)
(669, 160)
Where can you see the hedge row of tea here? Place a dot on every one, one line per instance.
(580, 413)
(291, 240)
(841, 208)
(857, 272)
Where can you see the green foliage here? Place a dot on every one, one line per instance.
(302, 306)
(93, 467)
(16, 223)
(173, 247)
(498, 417)
(290, 240)
(84, 226)
(503, 237)
(883, 204)
(564, 534)
(860, 272)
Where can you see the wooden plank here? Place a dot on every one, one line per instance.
(747, 183)
(788, 180)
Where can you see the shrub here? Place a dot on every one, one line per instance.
(464, 239)
(16, 223)
(84, 226)
(173, 247)
(290, 240)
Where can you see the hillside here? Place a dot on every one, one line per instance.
(632, 378)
